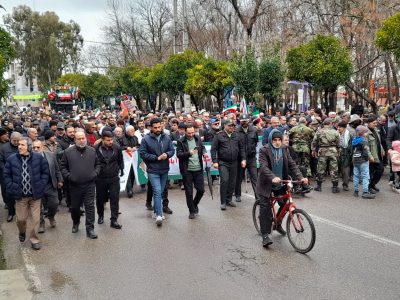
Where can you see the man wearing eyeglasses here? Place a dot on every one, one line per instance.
(226, 150)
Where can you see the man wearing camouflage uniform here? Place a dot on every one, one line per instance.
(325, 146)
(301, 137)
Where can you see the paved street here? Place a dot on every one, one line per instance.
(219, 255)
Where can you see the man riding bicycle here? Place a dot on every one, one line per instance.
(275, 165)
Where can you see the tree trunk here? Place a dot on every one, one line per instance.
(389, 98)
(395, 80)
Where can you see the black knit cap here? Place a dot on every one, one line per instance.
(277, 134)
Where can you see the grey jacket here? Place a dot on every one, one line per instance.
(54, 169)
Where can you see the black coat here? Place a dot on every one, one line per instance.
(227, 149)
(128, 141)
(265, 175)
(183, 153)
(112, 166)
(393, 135)
(249, 141)
(55, 175)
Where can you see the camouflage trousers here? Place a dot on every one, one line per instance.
(323, 163)
(303, 162)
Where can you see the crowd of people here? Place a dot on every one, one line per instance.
(50, 157)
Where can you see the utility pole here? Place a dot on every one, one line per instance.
(175, 11)
(185, 39)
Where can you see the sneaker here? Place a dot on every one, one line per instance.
(355, 194)
(266, 241)
(159, 220)
(238, 199)
(391, 183)
(231, 204)
(223, 206)
(192, 216)
(182, 187)
(368, 196)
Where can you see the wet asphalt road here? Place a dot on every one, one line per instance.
(219, 255)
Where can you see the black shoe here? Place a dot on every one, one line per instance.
(91, 234)
(167, 210)
(115, 224)
(231, 204)
(130, 194)
(238, 199)
(35, 246)
(266, 241)
(10, 218)
(100, 220)
(375, 189)
(318, 188)
(42, 227)
(196, 210)
(372, 191)
(192, 216)
(280, 229)
(335, 190)
(306, 189)
(355, 194)
(21, 237)
(5, 206)
(149, 206)
(75, 228)
(345, 188)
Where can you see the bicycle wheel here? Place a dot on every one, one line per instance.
(300, 231)
(256, 214)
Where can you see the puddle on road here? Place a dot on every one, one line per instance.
(60, 280)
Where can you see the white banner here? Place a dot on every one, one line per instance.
(128, 161)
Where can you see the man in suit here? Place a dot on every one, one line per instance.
(50, 199)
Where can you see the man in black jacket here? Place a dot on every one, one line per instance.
(80, 166)
(110, 157)
(190, 152)
(5, 151)
(248, 138)
(226, 150)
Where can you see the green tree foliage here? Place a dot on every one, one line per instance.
(7, 53)
(270, 77)
(209, 77)
(323, 62)
(388, 36)
(245, 74)
(45, 46)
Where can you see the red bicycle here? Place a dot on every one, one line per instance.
(299, 225)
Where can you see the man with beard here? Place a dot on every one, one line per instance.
(6, 151)
(141, 131)
(80, 167)
(65, 141)
(248, 138)
(129, 143)
(156, 149)
(110, 157)
(226, 150)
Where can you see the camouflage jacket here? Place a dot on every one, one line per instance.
(326, 142)
(301, 137)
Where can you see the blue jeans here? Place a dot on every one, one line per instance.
(158, 182)
(361, 171)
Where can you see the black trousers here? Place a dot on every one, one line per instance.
(251, 166)
(196, 179)
(82, 193)
(227, 174)
(8, 199)
(375, 173)
(266, 211)
(130, 181)
(108, 189)
(149, 196)
(49, 203)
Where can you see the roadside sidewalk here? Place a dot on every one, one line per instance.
(13, 285)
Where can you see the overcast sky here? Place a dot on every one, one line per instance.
(89, 14)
